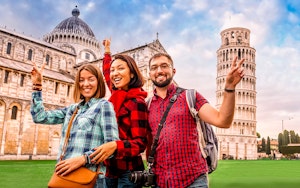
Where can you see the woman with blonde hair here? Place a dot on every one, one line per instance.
(93, 125)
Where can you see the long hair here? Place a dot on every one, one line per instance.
(137, 80)
(100, 92)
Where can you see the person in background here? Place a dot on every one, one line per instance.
(94, 124)
(178, 161)
(125, 82)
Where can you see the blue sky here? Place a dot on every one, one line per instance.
(190, 32)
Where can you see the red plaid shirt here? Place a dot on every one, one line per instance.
(178, 161)
(133, 126)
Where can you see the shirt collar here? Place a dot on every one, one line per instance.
(170, 91)
(88, 104)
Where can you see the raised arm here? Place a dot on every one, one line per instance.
(224, 117)
(106, 62)
(37, 110)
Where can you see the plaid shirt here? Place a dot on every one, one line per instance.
(133, 126)
(178, 161)
(94, 124)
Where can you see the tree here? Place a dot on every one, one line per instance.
(268, 146)
(263, 145)
(280, 141)
(258, 135)
(285, 139)
(297, 138)
(293, 137)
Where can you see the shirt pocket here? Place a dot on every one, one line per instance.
(85, 123)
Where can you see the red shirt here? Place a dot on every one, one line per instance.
(178, 161)
(133, 126)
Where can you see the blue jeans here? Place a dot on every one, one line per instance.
(121, 182)
(201, 181)
(99, 183)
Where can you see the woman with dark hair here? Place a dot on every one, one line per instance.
(93, 125)
(125, 81)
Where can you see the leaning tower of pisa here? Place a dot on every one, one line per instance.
(239, 141)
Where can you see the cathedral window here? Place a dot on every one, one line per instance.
(8, 50)
(56, 87)
(14, 112)
(87, 56)
(47, 59)
(68, 91)
(22, 80)
(29, 54)
(6, 76)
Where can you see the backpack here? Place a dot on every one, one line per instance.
(207, 139)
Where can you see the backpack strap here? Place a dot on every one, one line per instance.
(191, 101)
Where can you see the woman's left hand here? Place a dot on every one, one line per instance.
(66, 166)
(102, 152)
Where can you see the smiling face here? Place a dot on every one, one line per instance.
(87, 85)
(161, 71)
(120, 74)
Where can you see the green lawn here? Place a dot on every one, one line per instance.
(230, 174)
(256, 174)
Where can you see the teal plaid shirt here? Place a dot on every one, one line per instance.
(94, 124)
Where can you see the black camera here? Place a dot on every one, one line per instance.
(145, 178)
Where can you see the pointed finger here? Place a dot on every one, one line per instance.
(241, 62)
(43, 66)
(34, 65)
(233, 64)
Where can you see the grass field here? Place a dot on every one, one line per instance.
(230, 174)
(256, 174)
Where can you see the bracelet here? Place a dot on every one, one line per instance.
(37, 84)
(86, 159)
(229, 90)
(36, 89)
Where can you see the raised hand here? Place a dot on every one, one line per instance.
(235, 74)
(106, 44)
(37, 74)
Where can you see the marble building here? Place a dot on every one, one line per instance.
(70, 44)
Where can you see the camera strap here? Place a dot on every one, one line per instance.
(161, 124)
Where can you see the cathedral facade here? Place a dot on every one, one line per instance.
(70, 44)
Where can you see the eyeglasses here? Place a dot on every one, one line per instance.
(164, 66)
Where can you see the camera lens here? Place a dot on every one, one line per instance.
(136, 177)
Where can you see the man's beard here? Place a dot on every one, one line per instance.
(164, 83)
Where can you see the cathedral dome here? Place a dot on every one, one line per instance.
(74, 25)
